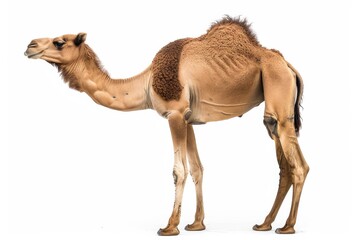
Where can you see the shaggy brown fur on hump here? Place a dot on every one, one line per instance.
(165, 68)
(242, 23)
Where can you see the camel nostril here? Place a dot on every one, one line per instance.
(32, 45)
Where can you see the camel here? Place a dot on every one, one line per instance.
(220, 75)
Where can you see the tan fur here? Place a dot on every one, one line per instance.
(219, 75)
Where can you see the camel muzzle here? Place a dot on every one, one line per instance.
(33, 44)
(31, 54)
(31, 51)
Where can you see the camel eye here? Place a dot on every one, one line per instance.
(59, 44)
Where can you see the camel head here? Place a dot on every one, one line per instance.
(60, 50)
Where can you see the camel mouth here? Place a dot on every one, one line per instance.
(33, 55)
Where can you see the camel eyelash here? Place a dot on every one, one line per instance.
(59, 44)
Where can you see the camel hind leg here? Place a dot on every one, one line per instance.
(280, 92)
(284, 186)
(298, 169)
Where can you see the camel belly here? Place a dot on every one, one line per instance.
(207, 110)
(219, 98)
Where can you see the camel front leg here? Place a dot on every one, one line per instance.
(196, 171)
(178, 130)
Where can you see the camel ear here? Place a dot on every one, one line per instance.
(80, 38)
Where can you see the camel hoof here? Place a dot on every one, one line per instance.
(195, 227)
(168, 231)
(262, 227)
(285, 230)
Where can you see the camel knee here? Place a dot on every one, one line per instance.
(197, 175)
(179, 175)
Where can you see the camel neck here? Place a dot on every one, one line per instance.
(87, 75)
(128, 94)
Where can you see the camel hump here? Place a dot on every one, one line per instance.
(165, 68)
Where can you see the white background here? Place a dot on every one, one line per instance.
(71, 169)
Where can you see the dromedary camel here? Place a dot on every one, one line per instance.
(219, 75)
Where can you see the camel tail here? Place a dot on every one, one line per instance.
(300, 90)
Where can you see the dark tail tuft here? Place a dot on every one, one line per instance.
(297, 117)
(300, 88)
